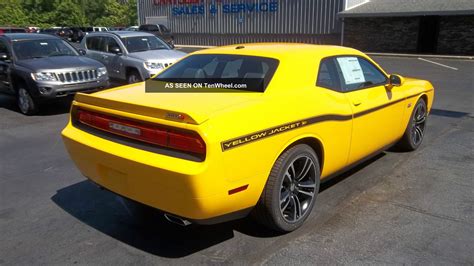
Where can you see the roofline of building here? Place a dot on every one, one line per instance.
(406, 14)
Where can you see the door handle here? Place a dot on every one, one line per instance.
(356, 102)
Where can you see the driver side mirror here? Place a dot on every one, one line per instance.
(116, 50)
(396, 80)
(4, 57)
(82, 52)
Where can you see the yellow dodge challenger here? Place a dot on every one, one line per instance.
(212, 153)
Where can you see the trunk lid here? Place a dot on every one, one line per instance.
(185, 107)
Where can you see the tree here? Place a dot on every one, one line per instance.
(47, 13)
(114, 14)
(12, 13)
(132, 12)
(68, 13)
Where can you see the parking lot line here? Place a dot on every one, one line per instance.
(436, 63)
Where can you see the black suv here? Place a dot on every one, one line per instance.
(64, 33)
(38, 67)
(158, 30)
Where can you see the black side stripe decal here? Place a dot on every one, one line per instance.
(232, 143)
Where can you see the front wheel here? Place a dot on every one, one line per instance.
(415, 130)
(25, 102)
(133, 77)
(291, 190)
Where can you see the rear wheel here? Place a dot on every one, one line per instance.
(25, 102)
(415, 131)
(291, 190)
(133, 77)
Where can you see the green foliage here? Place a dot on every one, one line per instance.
(47, 13)
(114, 14)
(11, 13)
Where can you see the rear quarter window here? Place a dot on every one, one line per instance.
(328, 76)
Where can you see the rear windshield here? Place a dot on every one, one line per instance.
(223, 68)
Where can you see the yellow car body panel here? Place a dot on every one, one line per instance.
(244, 133)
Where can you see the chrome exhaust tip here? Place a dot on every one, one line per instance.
(176, 220)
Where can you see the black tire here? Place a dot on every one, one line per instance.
(414, 133)
(133, 77)
(25, 102)
(272, 210)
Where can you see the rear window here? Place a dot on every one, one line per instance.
(223, 68)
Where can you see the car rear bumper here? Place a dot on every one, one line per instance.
(190, 190)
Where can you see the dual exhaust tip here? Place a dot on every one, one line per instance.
(176, 220)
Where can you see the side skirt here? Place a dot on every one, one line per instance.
(333, 176)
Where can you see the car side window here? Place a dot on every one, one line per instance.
(93, 43)
(328, 76)
(358, 73)
(107, 44)
(164, 29)
(4, 48)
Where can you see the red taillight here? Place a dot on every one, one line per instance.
(186, 141)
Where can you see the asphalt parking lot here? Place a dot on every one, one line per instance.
(413, 208)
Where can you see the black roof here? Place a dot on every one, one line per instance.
(391, 8)
(27, 36)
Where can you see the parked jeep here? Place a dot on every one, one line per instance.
(158, 30)
(129, 56)
(39, 67)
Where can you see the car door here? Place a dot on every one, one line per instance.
(5, 68)
(110, 59)
(377, 108)
(92, 45)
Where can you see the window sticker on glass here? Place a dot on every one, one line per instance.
(43, 43)
(351, 70)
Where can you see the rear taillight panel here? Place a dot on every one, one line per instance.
(176, 139)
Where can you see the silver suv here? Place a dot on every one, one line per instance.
(130, 56)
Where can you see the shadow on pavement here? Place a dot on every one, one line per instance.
(447, 113)
(327, 183)
(57, 107)
(105, 211)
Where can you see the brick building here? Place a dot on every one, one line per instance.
(410, 26)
